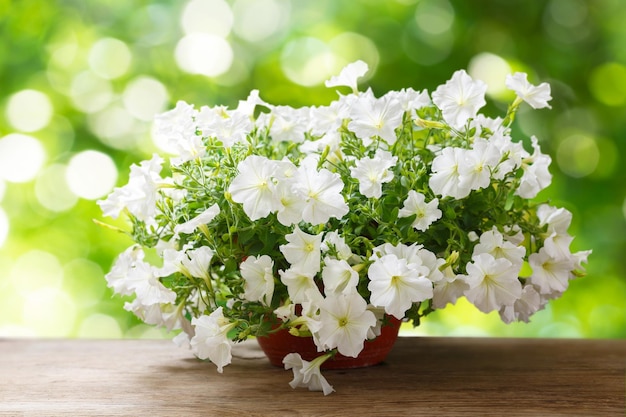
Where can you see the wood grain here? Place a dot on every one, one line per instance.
(422, 376)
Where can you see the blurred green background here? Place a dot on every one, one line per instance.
(81, 80)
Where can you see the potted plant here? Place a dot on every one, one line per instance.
(337, 221)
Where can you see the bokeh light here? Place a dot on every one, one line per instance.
(4, 227)
(144, 97)
(49, 312)
(109, 58)
(578, 155)
(34, 270)
(91, 174)
(308, 61)
(52, 191)
(492, 69)
(434, 16)
(349, 46)
(257, 20)
(29, 110)
(90, 93)
(21, 157)
(207, 16)
(569, 13)
(203, 53)
(114, 126)
(608, 84)
(99, 326)
(82, 278)
(429, 38)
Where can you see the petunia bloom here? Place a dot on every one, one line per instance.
(396, 284)
(372, 173)
(320, 191)
(259, 278)
(302, 250)
(345, 323)
(460, 98)
(254, 187)
(348, 76)
(425, 213)
(372, 117)
(201, 219)
(307, 374)
(211, 338)
(536, 96)
(493, 283)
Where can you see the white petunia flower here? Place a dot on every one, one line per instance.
(493, 243)
(478, 162)
(320, 191)
(415, 256)
(482, 123)
(446, 178)
(550, 274)
(336, 244)
(288, 124)
(307, 374)
(200, 220)
(290, 203)
(139, 195)
(192, 263)
(448, 289)
(117, 278)
(339, 277)
(248, 105)
(259, 278)
(426, 213)
(149, 314)
(326, 119)
(557, 239)
(460, 98)
(298, 282)
(557, 219)
(302, 250)
(396, 285)
(373, 172)
(370, 117)
(196, 262)
(254, 187)
(510, 154)
(148, 289)
(348, 76)
(536, 175)
(167, 315)
(528, 304)
(536, 96)
(493, 283)
(345, 323)
(211, 338)
(409, 99)
(230, 128)
(131, 275)
(176, 130)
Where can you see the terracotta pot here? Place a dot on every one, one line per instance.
(277, 345)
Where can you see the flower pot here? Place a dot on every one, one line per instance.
(277, 345)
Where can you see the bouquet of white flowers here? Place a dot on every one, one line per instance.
(324, 220)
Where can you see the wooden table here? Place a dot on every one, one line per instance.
(422, 376)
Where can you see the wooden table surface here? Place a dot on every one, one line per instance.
(422, 376)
